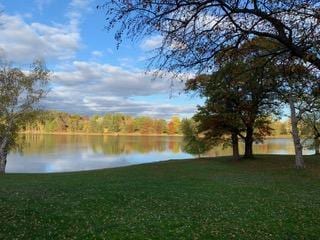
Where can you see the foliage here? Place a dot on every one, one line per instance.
(52, 121)
(174, 125)
(239, 96)
(208, 199)
(193, 143)
(310, 130)
(20, 93)
(298, 87)
(280, 127)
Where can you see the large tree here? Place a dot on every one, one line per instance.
(238, 100)
(240, 92)
(194, 32)
(220, 124)
(20, 92)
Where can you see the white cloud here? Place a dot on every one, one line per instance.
(97, 53)
(86, 87)
(41, 4)
(23, 42)
(151, 43)
(76, 7)
(91, 87)
(110, 79)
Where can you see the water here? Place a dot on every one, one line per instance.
(61, 153)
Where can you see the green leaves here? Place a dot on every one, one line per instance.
(193, 143)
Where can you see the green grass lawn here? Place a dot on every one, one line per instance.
(264, 198)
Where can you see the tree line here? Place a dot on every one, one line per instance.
(62, 122)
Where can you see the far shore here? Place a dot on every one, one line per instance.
(129, 134)
(278, 136)
(106, 134)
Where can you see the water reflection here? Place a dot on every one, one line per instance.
(58, 153)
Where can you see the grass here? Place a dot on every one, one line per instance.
(264, 198)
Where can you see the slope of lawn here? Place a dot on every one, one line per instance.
(263, 198)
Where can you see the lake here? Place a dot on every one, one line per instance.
(61, 153)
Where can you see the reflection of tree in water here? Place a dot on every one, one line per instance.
(174, 146)
(38, 143)
(42, 143)
(108, 145)
(279, 146)
(284, 146)
(122, 144)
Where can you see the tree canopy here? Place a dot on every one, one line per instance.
(239, 95)
(194, 32)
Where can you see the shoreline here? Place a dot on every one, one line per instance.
(131, 134)
(105, 134)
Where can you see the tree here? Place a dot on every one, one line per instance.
(174, 125)
(160, 126)
(95, 124)
(310, 128)
(192, 32)
(193, 143)
(297, 85)
(20, 93)
(241, 89)
(220, 125)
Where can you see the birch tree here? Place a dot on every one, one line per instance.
(20, 93)
(297, 90)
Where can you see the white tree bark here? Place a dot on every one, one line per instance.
(299, 162)
(3, 154)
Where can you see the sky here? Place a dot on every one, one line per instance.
(89, 74)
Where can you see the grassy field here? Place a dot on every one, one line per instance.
(264, 198)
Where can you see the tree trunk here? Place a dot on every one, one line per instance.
(248, 141)
(235, 146)
(295, 136)
(3, 154)
(3, 162)
(316, 146)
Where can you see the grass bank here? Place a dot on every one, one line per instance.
(264, 198)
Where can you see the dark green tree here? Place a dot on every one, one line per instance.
(193, 143)
(242, 89)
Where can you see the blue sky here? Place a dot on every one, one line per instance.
(90, 75)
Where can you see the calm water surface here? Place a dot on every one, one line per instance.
(60, 153)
